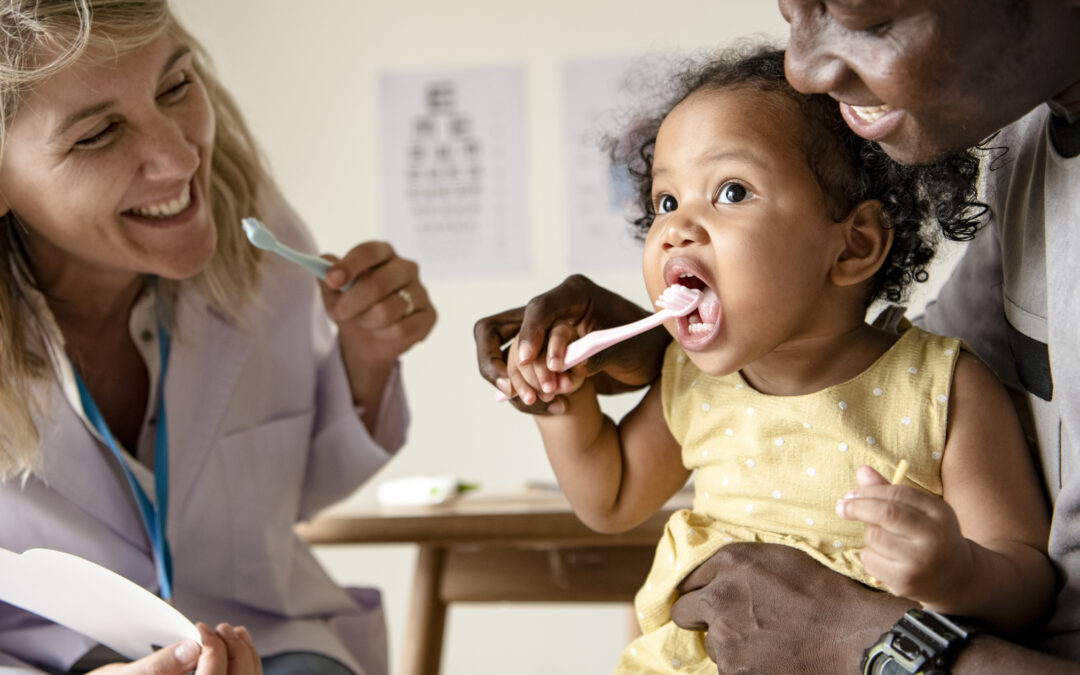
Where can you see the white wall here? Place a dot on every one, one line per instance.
(305, 74)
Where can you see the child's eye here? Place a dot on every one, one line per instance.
(733, 193)
(666, 204)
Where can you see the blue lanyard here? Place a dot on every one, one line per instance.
(153, 516)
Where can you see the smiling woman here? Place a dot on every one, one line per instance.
(142, 390)
(70, 144)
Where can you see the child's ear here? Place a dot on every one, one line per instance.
(866, 244)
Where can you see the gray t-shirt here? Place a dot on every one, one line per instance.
(1015, 298)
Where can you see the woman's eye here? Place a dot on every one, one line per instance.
(177, 90)
(99, 138)
(733, 193)
(666, 204)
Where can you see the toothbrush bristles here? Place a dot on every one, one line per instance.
(678, 298)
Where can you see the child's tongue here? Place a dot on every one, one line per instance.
(709, 309)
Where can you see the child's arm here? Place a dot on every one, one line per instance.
(614, 477)
(997, 570)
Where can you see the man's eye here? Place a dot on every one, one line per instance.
(733, 193)
(666, 204)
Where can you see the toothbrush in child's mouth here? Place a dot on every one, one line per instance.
(676, 300)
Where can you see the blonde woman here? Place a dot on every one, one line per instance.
(171, 403)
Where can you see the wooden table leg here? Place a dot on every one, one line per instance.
(427, 615)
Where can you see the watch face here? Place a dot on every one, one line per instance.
(890, 667)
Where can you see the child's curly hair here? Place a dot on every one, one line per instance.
(848, 168)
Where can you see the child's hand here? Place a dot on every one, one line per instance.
(533, 379)
(913, 542)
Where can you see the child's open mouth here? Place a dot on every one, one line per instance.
(699, 325)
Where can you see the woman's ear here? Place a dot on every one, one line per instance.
(866, 244)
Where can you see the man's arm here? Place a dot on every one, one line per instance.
(771, 608)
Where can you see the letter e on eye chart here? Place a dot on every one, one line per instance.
(453, 170)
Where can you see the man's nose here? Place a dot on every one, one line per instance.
(811, 64)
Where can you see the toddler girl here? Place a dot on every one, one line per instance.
(776, 391)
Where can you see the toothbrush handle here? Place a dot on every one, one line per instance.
(314, 264)
(598, 340)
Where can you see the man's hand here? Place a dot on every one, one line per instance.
(552, 320)
(769, 608)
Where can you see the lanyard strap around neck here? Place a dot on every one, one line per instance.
(154, 514)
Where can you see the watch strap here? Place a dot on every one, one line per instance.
(922, 641)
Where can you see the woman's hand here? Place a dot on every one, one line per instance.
(226, 651)
(912, 542)
(549, 323)
(386, 310)
(383, 313)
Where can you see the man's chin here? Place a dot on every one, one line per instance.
(915, 152)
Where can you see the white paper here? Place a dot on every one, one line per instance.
(92, 600)
(601, 97)
(453, 170)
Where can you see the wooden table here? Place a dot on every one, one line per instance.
(526, 547)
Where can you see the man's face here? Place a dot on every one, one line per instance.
(923, 77)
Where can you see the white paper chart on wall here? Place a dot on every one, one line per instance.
(453, 170)
(599, 96)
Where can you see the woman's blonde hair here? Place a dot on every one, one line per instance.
(38, 38)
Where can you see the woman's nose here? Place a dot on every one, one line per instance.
(810, 60)
(167, 152)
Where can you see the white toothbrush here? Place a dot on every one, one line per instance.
(676, 300)
(263, 238)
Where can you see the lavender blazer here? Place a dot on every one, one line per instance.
(263, 433)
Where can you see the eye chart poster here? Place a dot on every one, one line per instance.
(599, 196)
(453, 162)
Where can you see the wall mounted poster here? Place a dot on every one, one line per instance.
(453, 170)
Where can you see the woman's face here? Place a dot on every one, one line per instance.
(740, 215)
(107, 165)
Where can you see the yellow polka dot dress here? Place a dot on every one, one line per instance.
(770, 469)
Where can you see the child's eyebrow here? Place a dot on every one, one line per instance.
(726, 155)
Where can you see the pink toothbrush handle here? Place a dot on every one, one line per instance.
(598, 340)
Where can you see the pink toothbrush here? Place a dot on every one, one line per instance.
(676, 300)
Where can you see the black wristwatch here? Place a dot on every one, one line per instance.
(922, 642)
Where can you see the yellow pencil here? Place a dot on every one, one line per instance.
(901, 471)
